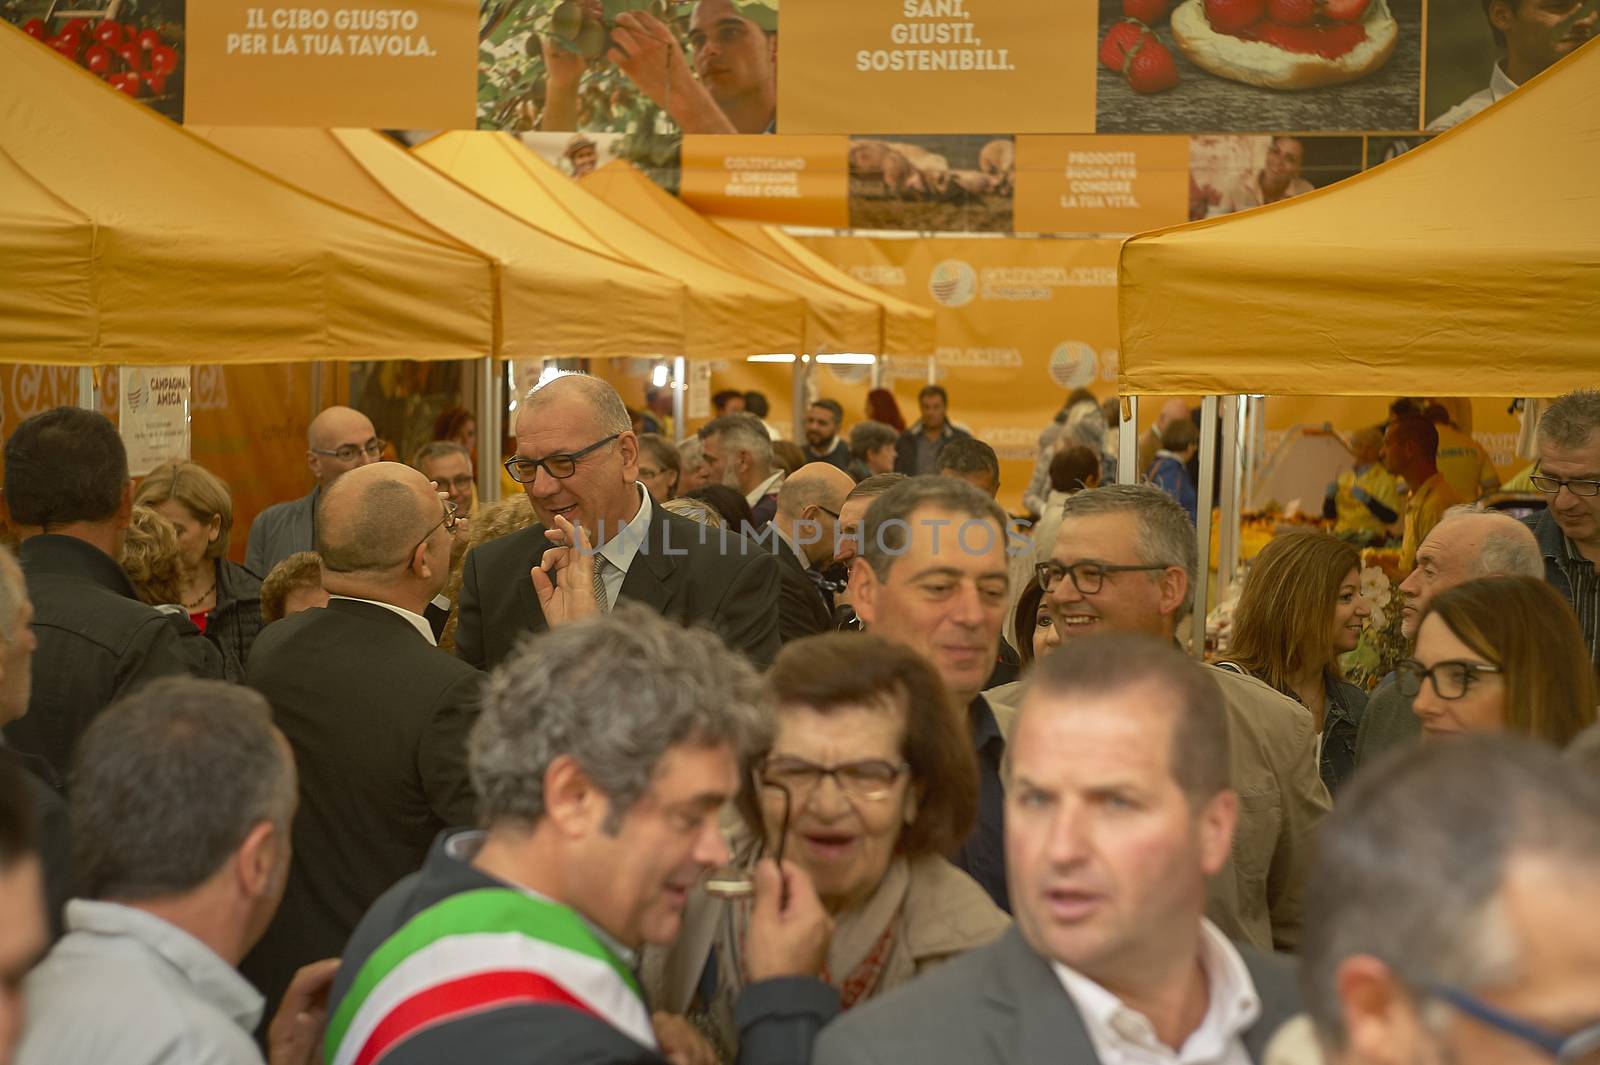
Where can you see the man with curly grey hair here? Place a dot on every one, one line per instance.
(603, 755)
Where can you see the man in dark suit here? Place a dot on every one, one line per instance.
(67, 487)
(578, 461)
(1118, 809)
(803, 532)
(376, 715)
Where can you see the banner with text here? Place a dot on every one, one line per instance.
(801, 181)
(1100, 184)
(375, 63)
(154, 415)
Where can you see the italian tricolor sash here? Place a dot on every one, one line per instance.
(476, 951)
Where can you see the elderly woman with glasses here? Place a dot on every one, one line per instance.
(1500, 654)
(869, 781)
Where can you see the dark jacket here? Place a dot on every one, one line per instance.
(1387, 722)
(1343, 707)
(684, 570)
(1004, 1005)
(280, 531)
(96, 642)
(50, 829)
(236, 619)
(905, 451)
(802, 610)
(201, 657)
(778, 1019)
(377, 719)
(839, 456)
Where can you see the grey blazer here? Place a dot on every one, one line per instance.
(280, 531)
(1002, 1004)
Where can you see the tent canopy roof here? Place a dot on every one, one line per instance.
(194, 255)
(1470, 264)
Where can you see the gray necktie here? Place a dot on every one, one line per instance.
(600, 583)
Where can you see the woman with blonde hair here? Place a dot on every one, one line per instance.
(153, 560)
(222, 598)
(1500, 654)
(1300, 609)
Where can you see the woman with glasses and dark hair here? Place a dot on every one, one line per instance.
(868, 782)
(1500, 654)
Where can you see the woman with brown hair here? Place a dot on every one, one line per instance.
(869, 781)
(1300, 609)
(223, 599)
(1500, 654)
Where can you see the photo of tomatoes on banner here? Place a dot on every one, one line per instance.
(142, 61)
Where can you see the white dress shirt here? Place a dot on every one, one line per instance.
(1122, 1036)
(1500, 86)
(125, 986)
(417, 621)
(620, 550)
(764, 489)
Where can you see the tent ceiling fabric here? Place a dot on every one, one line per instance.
(549, 288)
(195, 256)
(726, 315)
(1471, 264)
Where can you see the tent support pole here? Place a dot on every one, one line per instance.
(1228, 532)
(88, 394)
(680, 396)
(1202, 525)
(800, 371)
(491, 429)
(877, 371)
(1128, 442)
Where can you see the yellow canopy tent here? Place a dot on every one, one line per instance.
(549, 288)
(1469, 265)
(908, 330)
(834, 321)
(143, 244)
(725, 315)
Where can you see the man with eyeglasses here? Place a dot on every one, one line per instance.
(600, 538)
(1124, 561)
(1568, 530)
(338, 441)
(376, 715)
(1454, 910)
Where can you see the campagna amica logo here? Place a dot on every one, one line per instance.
(953, 283)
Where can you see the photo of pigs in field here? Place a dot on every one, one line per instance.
(936, 184)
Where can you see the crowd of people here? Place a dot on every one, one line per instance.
(706, 753)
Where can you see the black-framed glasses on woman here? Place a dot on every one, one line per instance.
(560, 466)
(348, 452)
(868, 780)
(1450, 680)
(1087, 577)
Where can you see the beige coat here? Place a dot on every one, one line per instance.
(1258, 898)
(945, 913)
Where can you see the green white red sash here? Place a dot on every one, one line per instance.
(477, 951)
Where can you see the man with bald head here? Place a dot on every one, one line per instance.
(376, 715)
(599, 538)
(338, 441)
(803, 533)
(1466, 544)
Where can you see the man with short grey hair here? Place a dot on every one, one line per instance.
(181, 807)
(738, 453)
(932, 575)
(872, 449)
(448, 465)
(603, 758)
(377, 716)
(600, 539)
(1568, 530)
(1467, 544)
(1124, 561)
(1455, 910)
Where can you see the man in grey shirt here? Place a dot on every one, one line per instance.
(183, 798)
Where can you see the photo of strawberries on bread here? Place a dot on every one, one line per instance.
(1286, 44)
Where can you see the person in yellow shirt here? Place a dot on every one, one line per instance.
(1411, 452)
(1462, 460)
(1365, 499)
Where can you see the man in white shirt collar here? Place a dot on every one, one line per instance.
(738, 453)
(181, 807)
(1533, 34)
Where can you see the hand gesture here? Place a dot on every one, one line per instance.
(564, 577)
(644, 49)
(295, 1035)
(789, 930)
(680, 1043)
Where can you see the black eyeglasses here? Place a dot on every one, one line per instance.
(1580, 1047)
(449, 521)
(562, 466)
(1550, 486)
(869, 780)
(1450, 680)
(348, 452)
(1087, 577)
(834, 514)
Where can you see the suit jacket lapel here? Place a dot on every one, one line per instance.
(650, 577)
(1030, 1012)
(527, 599)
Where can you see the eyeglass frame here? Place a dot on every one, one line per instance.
(373, 449)
(899, 770)
(1040, 569)
(452, 518)
(1564, 1049)
(510, 464)
(1563, 482)
(1410, 667)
